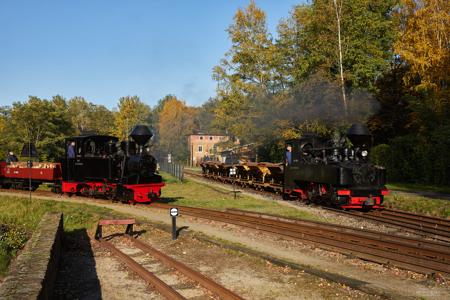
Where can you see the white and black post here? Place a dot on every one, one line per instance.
(174, 213)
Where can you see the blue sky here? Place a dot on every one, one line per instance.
(103, 50)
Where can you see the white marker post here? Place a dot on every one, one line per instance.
(174, 213)
(233, 174)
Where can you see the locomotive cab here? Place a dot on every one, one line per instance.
(93, 158)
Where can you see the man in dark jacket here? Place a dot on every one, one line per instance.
(11, 158)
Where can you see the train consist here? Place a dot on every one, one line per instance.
(95, 166)
(316, 169)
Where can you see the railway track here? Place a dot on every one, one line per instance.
(427, 226)
(417, 255)
(166, 290)
(436, 228)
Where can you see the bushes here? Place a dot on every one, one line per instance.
(12, 239)
(415, 158)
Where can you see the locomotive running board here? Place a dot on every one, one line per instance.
(101, 223)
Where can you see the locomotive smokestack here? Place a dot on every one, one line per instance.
(359, 135)
(141, 134)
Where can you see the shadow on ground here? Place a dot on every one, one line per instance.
(168, 199)
(77, 276)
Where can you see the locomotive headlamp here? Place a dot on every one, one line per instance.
(364, 153)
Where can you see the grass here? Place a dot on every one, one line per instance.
(414, 187)
(419, 205)
(194, 169)
(191, 193)
(20, 216)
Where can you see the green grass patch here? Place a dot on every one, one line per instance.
(20, 216)
(414, 187)
(191, 193)
(417, 204)
(194, 169)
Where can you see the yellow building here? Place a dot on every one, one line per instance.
(204, 146)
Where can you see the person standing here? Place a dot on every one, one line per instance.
(11, 158)
(288, 155)
(71, 150)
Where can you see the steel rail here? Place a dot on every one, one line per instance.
(422, 220)
(164, 289)
(299, 224)
(437, 234)
(408, 257)
(353, 238)
(420, 243)
(436, 228)
(204, 281)
(417, 216)
(347, 247)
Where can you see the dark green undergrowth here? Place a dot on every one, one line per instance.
(20, 216)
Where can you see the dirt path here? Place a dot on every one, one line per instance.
(375, 280)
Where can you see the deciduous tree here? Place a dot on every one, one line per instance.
(176, 122)
(131, 111)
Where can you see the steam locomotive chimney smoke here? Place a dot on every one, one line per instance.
(141, 134)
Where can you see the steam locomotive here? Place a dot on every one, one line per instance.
(96, 166)
(316, 169)
(337, 172)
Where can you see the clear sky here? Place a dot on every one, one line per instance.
(103, 50)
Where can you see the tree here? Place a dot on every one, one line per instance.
(365, 29)
(291, 51)
(42, 122)
(176, 122)
(131, 111)
(79, 113)
(89, 117)
(101, 119)
(247, 69)
(424, 42)
(206, 115)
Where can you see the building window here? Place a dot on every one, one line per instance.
(210, 138)
(201, 138)
(200, 148)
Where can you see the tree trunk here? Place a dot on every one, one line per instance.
(338, 11)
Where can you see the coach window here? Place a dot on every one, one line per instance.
(200, 148)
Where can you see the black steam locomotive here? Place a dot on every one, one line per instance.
(338, 172)
(316, 169)
(98, 165)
